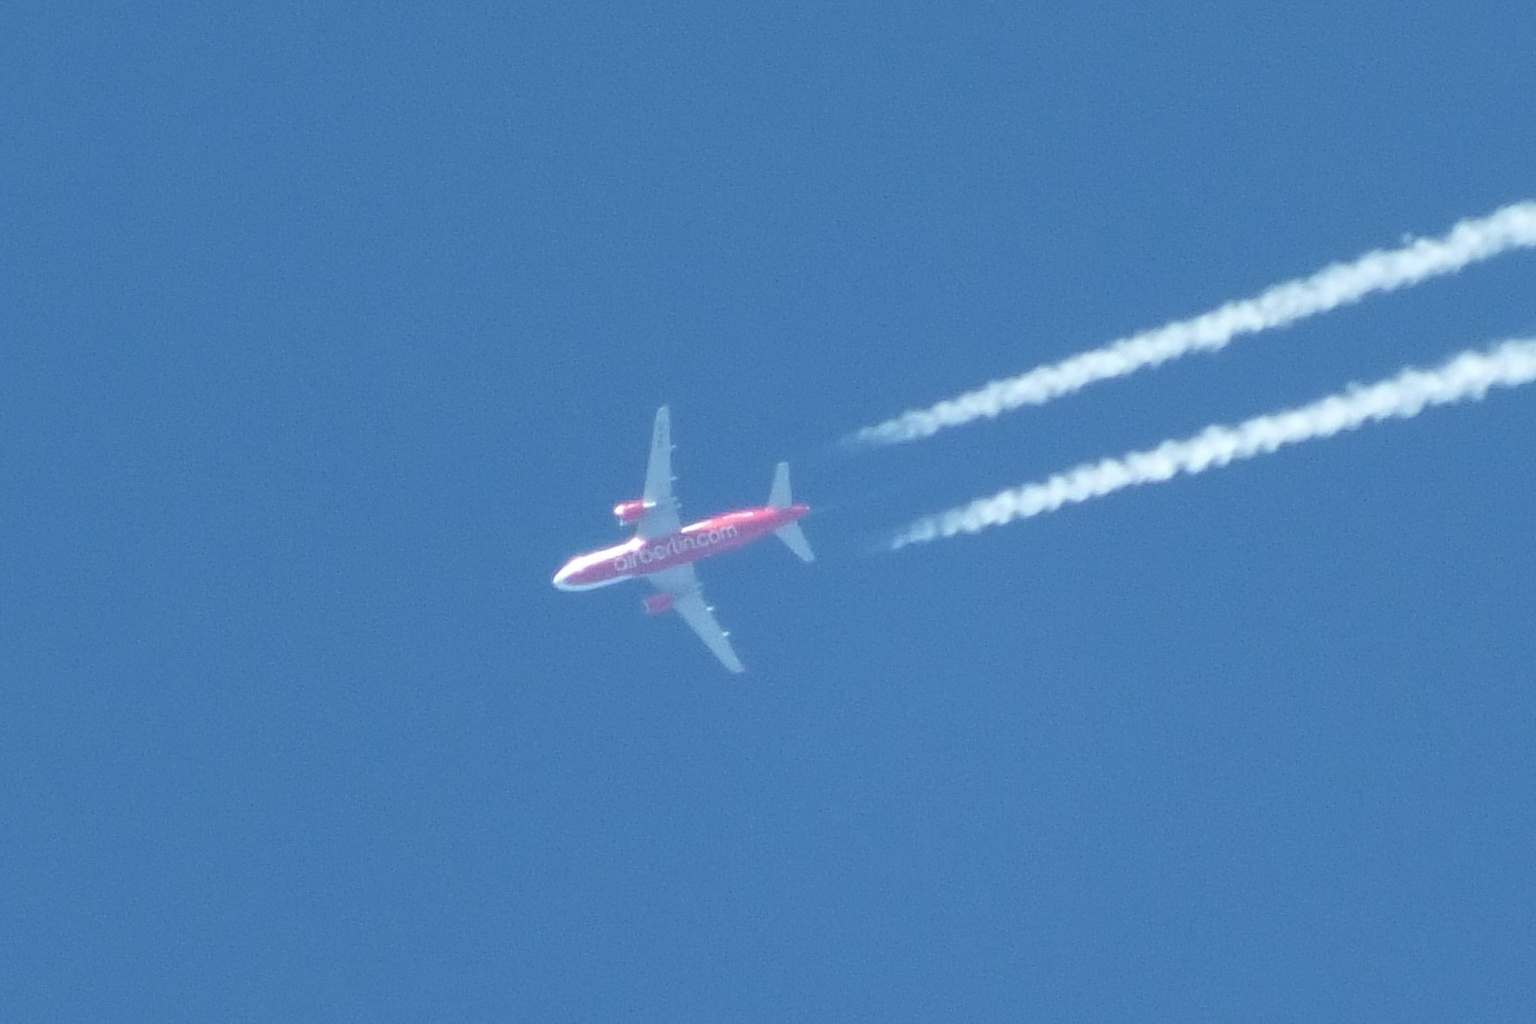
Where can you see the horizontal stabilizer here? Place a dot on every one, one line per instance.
(789, 533)
(794, 539)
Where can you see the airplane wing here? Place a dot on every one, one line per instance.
(660, 505)
(688, 601)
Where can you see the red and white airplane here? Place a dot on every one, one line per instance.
(663, 550)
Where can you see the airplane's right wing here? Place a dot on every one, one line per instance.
(660, 516)
(682, 583)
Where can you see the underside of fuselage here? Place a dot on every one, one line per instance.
(641, 556)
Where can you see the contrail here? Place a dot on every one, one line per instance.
(1467, 377)
(1336, 285)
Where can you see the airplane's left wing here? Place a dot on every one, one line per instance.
(660, 516)
(682, 583)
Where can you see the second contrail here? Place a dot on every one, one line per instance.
(1466, 377)
(1337, 285)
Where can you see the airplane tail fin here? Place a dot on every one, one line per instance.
(790, 533)
(778, 494)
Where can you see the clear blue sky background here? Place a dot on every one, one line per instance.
(328, 333)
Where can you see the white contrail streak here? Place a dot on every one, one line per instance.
(1467, 377)
(1337, 285)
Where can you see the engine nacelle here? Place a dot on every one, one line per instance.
(628, 513)
(656, 603)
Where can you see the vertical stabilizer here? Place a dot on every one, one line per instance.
(778, 494)
(790, 533)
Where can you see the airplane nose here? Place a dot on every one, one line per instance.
(561, 576)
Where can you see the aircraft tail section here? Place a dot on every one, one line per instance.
(790, 533)
(778, 494)
(794, 539)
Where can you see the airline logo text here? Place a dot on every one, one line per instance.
(674, 545)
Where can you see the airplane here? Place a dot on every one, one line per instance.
(663, 550)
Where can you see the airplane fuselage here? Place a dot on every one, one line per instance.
(640, 556)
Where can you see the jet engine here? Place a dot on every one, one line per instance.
(628, 513)
(656, 603)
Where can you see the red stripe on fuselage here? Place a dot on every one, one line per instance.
(640, 556)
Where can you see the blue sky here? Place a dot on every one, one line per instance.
(329, 333)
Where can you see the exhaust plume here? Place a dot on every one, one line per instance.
(1466, 377)
(1336, 285)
